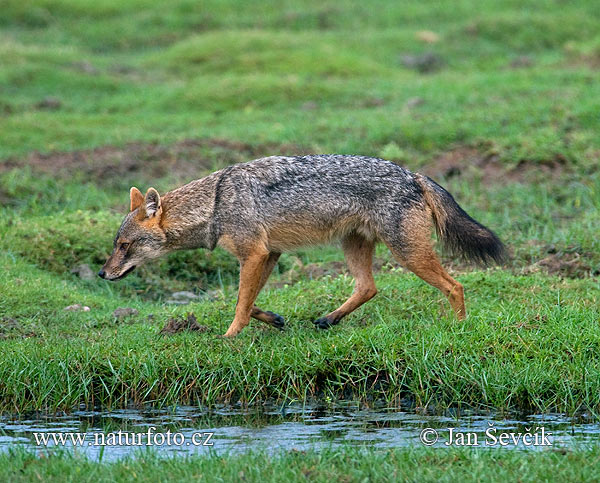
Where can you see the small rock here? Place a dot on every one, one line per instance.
(86, 67)
(84, 272)
(184, 295)
(78, 308)
(424, 63)
(414, 102)
(309, 106)
(182, 298)
(428, 36)
(50, 103)
(9, 323)
(123, 312)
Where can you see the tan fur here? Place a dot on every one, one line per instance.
(259, 314)
(420, 258)
(259, 209)
(250, 283)
(436, 210)
(298, 233)
(228, 243)
(252, 267)
(136, 198)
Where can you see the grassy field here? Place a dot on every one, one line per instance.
(497, 100)
(348, 465)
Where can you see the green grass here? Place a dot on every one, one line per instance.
(163, 71)
(405, 343)
(346, 464)
(516, 84)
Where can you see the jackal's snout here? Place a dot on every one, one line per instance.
(116, 267)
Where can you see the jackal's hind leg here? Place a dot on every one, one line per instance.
(358, 252)
(267, 316)
(424, 263)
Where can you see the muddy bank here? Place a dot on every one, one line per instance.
(182, 160)
(473, 163)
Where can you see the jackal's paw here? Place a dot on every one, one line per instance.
(277, 320)
(227, 335)
(324, 323)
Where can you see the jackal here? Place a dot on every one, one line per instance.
(259, 209)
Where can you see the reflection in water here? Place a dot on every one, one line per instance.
(189, 430)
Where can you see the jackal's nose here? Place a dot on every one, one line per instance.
(102, 274)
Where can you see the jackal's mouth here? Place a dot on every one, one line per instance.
(124, 274)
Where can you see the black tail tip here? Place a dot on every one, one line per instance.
(487, 250)
(475, 243)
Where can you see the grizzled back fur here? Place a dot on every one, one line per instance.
(316, 199)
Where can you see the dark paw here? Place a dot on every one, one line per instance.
(324, 323)
(278, 321)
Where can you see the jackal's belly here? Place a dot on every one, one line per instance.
(290, 235)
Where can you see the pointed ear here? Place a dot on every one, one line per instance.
(153, 205)
(136, 197)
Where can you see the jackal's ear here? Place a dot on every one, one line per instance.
(136, 197)
(153, 206)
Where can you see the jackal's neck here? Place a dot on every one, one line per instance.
(188, 215)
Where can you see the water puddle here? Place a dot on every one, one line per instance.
(111, 435)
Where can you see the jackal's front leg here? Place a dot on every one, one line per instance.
(251, 270)
(267, 316)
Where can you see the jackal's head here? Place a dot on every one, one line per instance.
(140, 237)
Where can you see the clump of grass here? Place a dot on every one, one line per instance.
(327, 464)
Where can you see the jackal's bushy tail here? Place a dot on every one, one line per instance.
(460, 234)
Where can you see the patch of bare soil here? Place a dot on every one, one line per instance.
(567, 262)
(468, 162)
(570, 262)
(574, 57)
(176, 325)
(8, 323)
(567, 265)
(11, 328)
(183, 159)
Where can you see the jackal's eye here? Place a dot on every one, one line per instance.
(124, 246)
